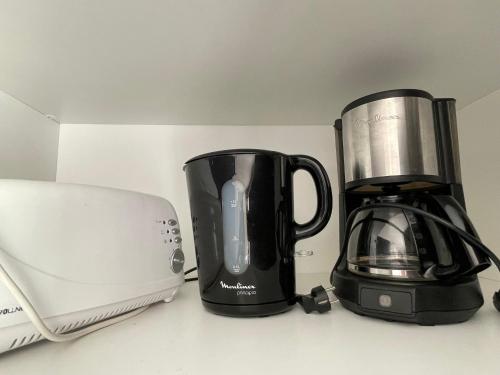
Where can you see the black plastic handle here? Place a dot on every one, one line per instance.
(323, 190)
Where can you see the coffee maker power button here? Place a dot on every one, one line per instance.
(385, 300)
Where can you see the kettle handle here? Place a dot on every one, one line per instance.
(323, 191)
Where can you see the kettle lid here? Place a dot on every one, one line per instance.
(236, 151)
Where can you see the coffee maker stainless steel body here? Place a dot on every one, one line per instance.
(390, 137)
(398, 149)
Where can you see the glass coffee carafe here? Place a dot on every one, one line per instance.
(394, 243)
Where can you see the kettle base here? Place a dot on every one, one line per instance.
(424, 303)
(258, 310)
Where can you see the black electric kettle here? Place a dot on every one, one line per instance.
(244, 231)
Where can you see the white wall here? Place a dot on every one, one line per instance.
(149, 159)
(479, 135)
(28, 142)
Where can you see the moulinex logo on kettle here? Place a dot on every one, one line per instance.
(240, 289)
(375, 119)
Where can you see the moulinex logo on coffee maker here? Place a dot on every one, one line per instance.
(375, 119)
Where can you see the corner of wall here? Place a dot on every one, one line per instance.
(29, 141)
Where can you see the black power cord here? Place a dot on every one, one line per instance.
(319, 297)
(188, 272)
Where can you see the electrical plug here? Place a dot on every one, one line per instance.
(320, 300)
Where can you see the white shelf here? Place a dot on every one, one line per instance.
(183, 338)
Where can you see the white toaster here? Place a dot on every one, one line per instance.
(82, 254)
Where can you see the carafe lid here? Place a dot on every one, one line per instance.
(387, 94)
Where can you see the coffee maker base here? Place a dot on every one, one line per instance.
(424, 303)
(258, 310)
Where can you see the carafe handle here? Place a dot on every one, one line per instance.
(323, 191)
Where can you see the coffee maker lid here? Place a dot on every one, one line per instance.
(385, 95)
(236, 151)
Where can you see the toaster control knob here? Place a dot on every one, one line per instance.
(175, 231)
(177, 240)
(177, 261)
(172, 222)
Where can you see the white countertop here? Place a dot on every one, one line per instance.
(183, 338)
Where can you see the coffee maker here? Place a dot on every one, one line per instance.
(408, 250)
